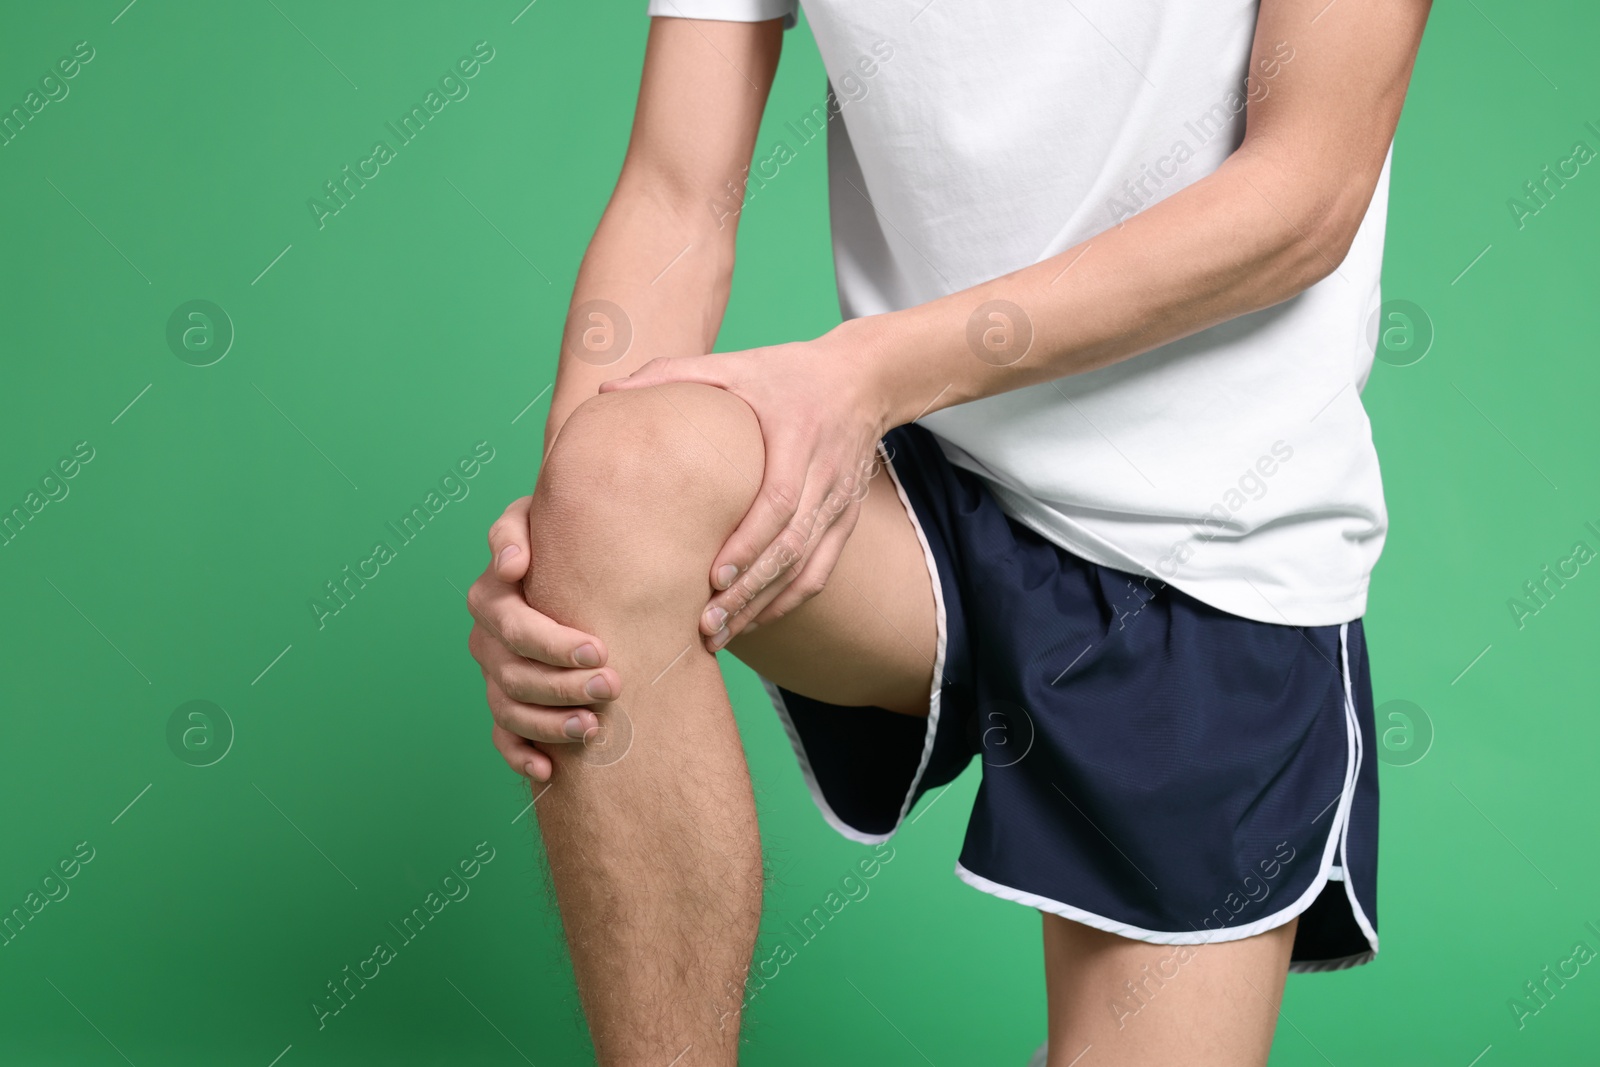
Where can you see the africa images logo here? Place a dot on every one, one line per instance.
(452, 84)
(454, 485)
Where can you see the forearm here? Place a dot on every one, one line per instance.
(666, 266)
(661, 255)
(1250, 235)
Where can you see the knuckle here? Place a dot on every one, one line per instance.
(780, 607)
(789, 546)
(506, 679)
(477, 599)
(538, 644)
(485, 641)
(512, 515)
(510, 632)
(558, 686)
(572, 683)
(807, 587)
(511, 636)
(738, 598)
(482, 656)
(751, 584)
(502, 635)
(840, 498)
(759, 603)
(783, 497)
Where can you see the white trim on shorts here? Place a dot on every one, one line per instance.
(1335, 848)
(1338, 836)
(940, 621)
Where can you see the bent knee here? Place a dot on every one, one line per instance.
(666, 462)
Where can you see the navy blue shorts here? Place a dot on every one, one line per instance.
(1152, 766)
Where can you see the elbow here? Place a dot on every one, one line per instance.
(1312, 203)
(1326, 230)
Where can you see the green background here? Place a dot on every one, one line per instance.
(424, 318)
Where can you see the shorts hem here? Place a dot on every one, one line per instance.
(1337, 843)
(941, 624)
(1138, 933)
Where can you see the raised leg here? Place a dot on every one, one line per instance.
(651, 829)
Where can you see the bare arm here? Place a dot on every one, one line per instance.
(663, 252)
(1278, 216)
(1275, 218)
(661, 261)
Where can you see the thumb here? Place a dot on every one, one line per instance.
(509, 542)
(637, 380)
(659, 371)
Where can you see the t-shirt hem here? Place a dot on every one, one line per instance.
(1237, 596)
(725, 10)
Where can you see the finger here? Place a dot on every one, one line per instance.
(652, 373)
(534, 722)
(660, 371)
(528, 682)
(501, 609)
(521, 755)
(804, 531)
(757, 583)
(729, 611)
(811, 578)
(800, 583)
(766, 532)
(508, 541)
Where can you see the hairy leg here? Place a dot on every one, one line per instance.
(1136, 1003)
(651, 832)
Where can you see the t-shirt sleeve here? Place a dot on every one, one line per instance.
(726, 10)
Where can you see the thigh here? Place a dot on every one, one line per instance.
(1138, 1003)
(869, 638)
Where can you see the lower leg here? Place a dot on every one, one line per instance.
(1137, 1003)
(650, 828)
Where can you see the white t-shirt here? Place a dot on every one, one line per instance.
(1236, 464)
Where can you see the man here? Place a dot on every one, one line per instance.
(1106, 272)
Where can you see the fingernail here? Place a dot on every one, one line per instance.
(598, 688)
(726, 574)
(573, 728)
(751, 628)
(507, 553)
(587, 656)
(714, 618)
(720, 638)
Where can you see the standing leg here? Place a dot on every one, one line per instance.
(1135, 1003)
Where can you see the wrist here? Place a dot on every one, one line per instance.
(864, 349)
(944, 353)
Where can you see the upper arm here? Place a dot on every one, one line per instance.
(701, 97)
(1327, 81)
